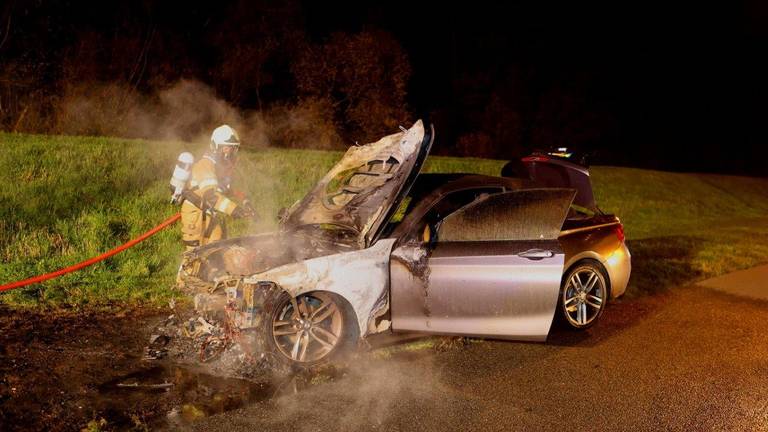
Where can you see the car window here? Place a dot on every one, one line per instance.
(448, 204)
(533, 214)
(413, 213)
(403, 210)
(456, 200)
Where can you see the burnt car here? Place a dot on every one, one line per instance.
(377, 247)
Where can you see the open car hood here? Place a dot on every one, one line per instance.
(362, 190)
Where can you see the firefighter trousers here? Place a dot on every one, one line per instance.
(199, 228)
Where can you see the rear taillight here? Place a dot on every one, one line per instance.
(620, 232)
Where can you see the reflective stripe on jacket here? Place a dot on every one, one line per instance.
(204, 192)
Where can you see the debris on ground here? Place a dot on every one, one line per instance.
(447, 343)
(189, 337)
(163, 385)
(156, 348)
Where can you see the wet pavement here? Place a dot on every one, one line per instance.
(64, 371)
(689, 359)
(191, 394)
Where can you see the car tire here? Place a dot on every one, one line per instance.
(584, 293)
(324, 330)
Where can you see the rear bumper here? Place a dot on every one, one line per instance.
(619, 266)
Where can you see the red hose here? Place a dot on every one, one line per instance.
(93, 260)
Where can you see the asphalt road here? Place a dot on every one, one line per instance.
(691, 359)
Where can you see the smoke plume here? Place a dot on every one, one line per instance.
(187, 111)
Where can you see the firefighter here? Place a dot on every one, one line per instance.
(209, 196)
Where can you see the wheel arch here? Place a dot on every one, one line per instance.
(280, 298)
(360, 277)
(584, 258)
(349, 309)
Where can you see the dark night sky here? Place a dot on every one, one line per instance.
(684, 82)
(687, 84)
(654, 84)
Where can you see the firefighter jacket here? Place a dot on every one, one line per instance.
(209, 187)
(207, 196)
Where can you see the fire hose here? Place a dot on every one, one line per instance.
(94, 260)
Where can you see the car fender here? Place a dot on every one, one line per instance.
(618, 272)
(360, 277)
(581, 256)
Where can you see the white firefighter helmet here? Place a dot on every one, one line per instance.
(224, 135)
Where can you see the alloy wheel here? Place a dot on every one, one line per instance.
(308, 328)
(584, 296)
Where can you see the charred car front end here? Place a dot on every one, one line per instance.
(327, 243)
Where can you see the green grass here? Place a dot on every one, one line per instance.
(69, 198)
(685, 227)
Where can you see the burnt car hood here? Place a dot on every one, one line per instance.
(240, 256)
(362, 189)
(254, 254)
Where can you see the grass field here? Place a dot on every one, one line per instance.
(68, 198)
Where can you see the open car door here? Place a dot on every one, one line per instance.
(493, 270)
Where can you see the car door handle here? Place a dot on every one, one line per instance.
(536, 254)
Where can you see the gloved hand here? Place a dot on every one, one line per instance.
(248, 206)
(243, 211)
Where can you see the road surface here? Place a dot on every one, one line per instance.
(691, 359)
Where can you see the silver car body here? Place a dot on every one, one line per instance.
(501, 281)
(492, 268)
